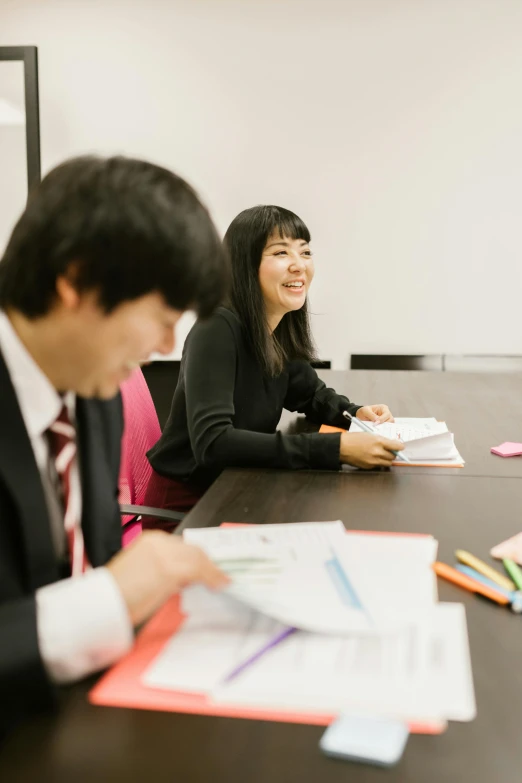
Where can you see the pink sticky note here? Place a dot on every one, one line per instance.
(511, 548)
(508, 449)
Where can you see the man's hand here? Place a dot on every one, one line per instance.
(157, 565)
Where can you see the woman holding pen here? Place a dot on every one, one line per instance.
(247, 362)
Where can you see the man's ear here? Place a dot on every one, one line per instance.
(66, 292)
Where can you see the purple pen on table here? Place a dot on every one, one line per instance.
(277, 639)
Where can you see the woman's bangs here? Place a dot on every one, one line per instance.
(290, 226)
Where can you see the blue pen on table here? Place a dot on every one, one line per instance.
(514, 596)
(368, 428)
(277, 639)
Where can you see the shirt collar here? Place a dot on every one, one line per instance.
(39, 401)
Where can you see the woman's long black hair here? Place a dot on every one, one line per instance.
(245, 241)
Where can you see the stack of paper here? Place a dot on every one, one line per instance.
(419, 672)
(297, 577)
(379, 641)
(427, 440)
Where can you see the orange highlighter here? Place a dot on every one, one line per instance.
(461, 580)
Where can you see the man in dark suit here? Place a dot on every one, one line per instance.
(105, 258)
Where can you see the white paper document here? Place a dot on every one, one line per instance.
(301, 583)
(321, 578)
(426, 439)
(398, 652)
(393, 573)
(420, 672)
(218, 635)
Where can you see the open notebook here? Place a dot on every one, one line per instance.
(428, 441)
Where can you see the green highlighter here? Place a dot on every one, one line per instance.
(514, 571)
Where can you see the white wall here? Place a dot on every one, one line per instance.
(393, 127)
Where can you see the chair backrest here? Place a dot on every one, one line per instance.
(141, 432)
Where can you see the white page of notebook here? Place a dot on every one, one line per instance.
(409, 431)
(430, 425)
(425, 439)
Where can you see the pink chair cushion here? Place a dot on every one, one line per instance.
(141, 432)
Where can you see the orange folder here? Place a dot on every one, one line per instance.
(121, 686)
(399, 462)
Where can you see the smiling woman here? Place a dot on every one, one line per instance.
(269, 248)
(246, 363)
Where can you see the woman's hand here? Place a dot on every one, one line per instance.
(377, 414)
(368, 451)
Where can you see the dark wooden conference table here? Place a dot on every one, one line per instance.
(472, 508)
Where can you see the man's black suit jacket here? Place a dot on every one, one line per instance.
(27, 558)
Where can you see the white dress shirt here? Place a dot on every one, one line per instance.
(83, 624)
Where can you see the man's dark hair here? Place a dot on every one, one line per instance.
(245, 241)
(123, 228)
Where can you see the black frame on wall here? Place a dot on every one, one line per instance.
(29, 56)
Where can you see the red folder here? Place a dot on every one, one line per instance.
(121, 686)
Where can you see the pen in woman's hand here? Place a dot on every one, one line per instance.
(364, 425)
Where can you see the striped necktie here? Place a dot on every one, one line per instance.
(62, 444)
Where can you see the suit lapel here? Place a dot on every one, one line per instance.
(99, 504)
(21, 476)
